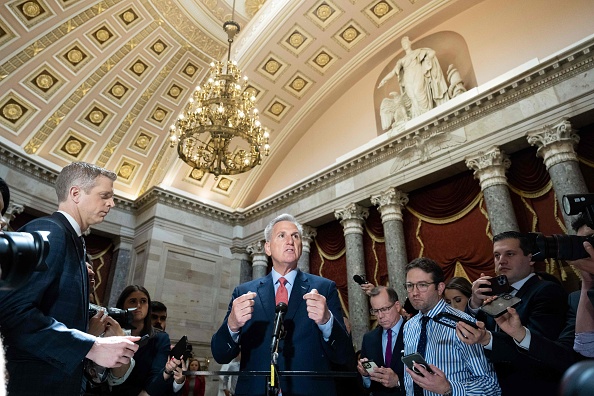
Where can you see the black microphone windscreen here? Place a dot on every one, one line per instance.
(358, 279)
(281, 307)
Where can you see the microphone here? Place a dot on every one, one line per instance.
(281, 309)
(359, 279)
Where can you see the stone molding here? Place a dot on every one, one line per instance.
(390, 203)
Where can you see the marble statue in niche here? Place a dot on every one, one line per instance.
(422, 86)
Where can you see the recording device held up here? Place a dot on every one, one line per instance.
(122, 316)
(565, 247)
(360, 279)
(21, 254)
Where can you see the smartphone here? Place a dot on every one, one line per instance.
(180, 348)
(450, 320)
(369, 366)
(499, 306)
(499, 285)
(143, 340)
(417, 358)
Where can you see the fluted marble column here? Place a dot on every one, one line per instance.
(242, 259)
(390, 203)
(489, 167)
(352, 219)
(259, 259)
(556, 145)
(309, 233)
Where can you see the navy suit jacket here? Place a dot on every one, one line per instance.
(303, 347)
(44, 321)
(542, 310)
(372, 350)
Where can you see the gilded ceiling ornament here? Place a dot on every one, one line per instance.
(277, 108)
(296, 39)
(174, 91)
(298, 84)
(109, 64)
(102, 35)
(84, 88)
(190, 70)
(96, 117)
(37, 48)
(44, 81)
(324, 12)
(224, 184)
(197, 174)
(130, 119)
(126, 170)
(128, 16)
(350, 34)
(159, 114)
(322, 59)
(139, 68)
(272, 66)
(142, 141)
(73, 147)
(252, 6)
(69, 26)
(159, 47)
(12, 111)
(381, 9)
(56, 119)
(74, 56)
(118, 90)
(31, 9)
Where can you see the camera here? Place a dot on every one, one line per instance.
(122, 316)
(21, 253)
(565, 247)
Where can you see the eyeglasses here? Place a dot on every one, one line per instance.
(382, 310)
(421, 286)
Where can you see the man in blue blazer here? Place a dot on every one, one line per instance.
(315, 335)
(44, 322)
(386, 379)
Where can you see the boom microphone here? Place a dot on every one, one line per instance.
(281, 310)
(359, 279)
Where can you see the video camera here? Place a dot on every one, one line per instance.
(566, 247)
(122, 316)
(21, 253)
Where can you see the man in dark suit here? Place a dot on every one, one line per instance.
(315, 335)
(44, 322)
(542, 312)
(379, 345)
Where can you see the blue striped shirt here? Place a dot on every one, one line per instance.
(465, 366)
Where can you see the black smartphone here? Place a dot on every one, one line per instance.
(449, 319)
(143, 340)
(499, 306)
(417, 358)
(499, 285)
(180, 348)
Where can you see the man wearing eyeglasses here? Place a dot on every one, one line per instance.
(383, 345)
(457, 368)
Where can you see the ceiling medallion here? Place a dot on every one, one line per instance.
(219, 114)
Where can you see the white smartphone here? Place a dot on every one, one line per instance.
(369, 366)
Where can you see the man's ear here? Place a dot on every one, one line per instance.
(440, 288)
(74, 193)
(267, 248)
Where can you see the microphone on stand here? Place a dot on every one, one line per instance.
(281, 309)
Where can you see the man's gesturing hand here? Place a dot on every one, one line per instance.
(241, 311)
(317, 310)
(113, 351)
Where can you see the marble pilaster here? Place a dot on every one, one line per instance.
(556, 145)
(242, 259)
(352, 219)
(390, 203)
(489, 167)
(119, 272)
(259, 259)
(309, 233)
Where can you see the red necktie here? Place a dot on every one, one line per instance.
(389, 349)
(281, 293)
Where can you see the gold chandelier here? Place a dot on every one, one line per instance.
(221, 114)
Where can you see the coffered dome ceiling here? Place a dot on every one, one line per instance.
(103, 81)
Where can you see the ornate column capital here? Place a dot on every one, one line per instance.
(390, 203)
(555, 143)
(12, 211)
(258, 254)
(352, 218)
(489, 166)
(240, 252)
(309, 233)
